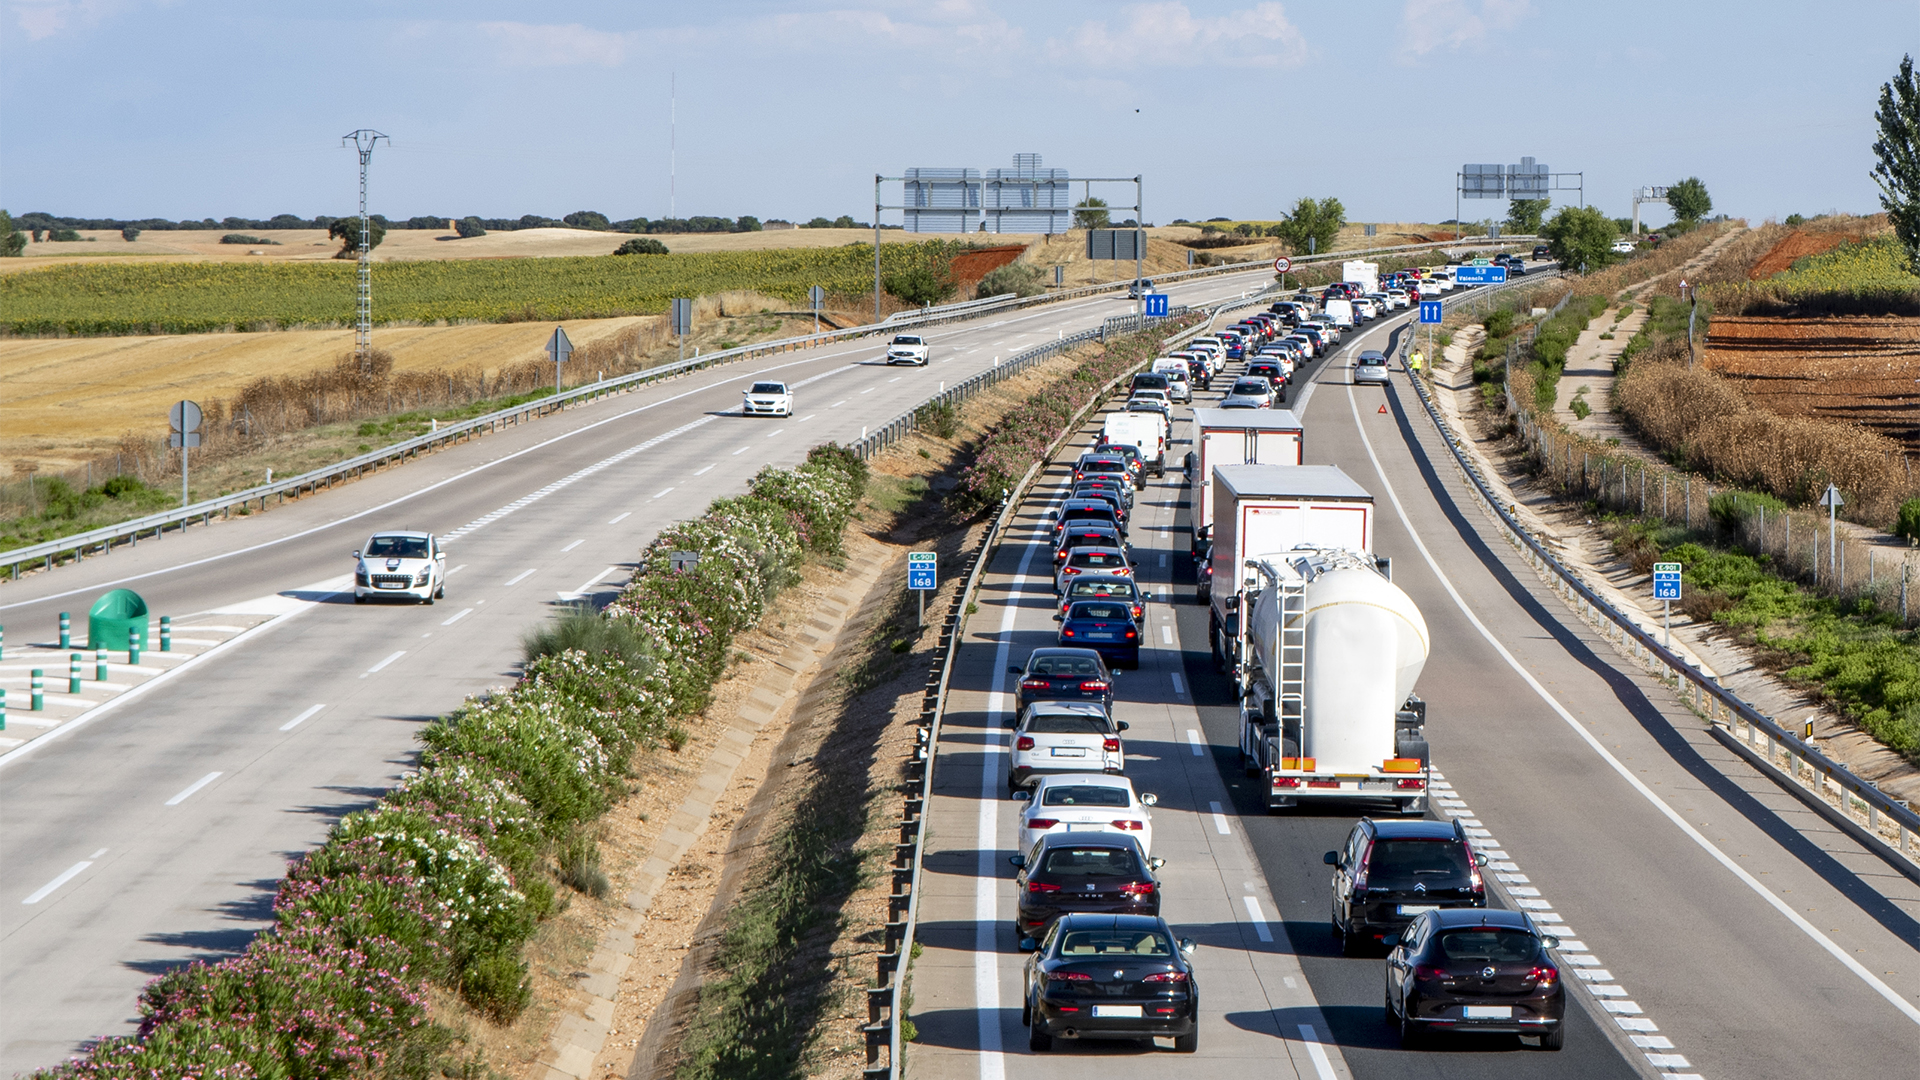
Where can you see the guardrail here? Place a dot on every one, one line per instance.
(1884, 824)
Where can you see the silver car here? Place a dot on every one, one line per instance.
(1249, 394)
(1370, 367)
(1064, 737)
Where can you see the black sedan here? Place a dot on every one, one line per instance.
(1102, 586)
(1111, 977)
(1058, 674)
(1066, 872)
(1105, 626)
(1465, 969)
(1077, 511)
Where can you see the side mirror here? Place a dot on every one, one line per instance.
(1479, 859)
(1135, 562)
(1156, 863)
(1149, 799)
(1019, 862)
(1027, 944)
(1549, 941)
(1331, 858)
(1011, 670)
(441, 555)
(1053, 515)
(1187, 946)
(1122, 725)
(1057, 617)
(1392, 940)
(356, 554)
(1023, 795)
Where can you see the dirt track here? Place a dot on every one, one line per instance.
(1856, 368)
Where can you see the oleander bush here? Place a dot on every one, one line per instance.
(444, 880)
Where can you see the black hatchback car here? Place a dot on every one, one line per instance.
(1061, 674)
(1111, 977)
(1482, 971)
(1085, 510)
(1389, 872)
(1066, 872)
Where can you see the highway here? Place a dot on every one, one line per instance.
(157, 833)
(1716, 927)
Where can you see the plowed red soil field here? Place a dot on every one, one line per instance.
(1796, 245)
(970, 267)
(1860, 368)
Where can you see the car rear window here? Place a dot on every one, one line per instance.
(1061, 723)
(1103, 466)
(768, 388)
(1063, 665)
(1488, 944)
(1100, 611)
(397, 547)
(1250, 386)
(1097, 558)
(1401, 863)
(1115, 943)
(1099, 588)
(1085, 795)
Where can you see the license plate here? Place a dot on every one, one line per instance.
(1099, 637)
(389, 585)
(1069, 751)
(1086, 826)
(1417, 909)
(1488, 1012)
(1117, 1011)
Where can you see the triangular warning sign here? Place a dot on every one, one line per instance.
(1383, 408)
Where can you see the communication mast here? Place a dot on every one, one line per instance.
(363, 141)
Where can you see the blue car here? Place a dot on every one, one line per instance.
(1105, 626)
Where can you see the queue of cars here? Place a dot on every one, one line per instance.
(1103, 963)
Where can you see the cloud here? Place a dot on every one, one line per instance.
(45, 18)
(1170, 33)
(533, 45)
(1426, 25)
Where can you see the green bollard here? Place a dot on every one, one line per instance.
(3, 708)
(66, 631)
(3, 642)
(99, 665)
(133, 653)
(39, 691)
(73, 673)
(166, 633)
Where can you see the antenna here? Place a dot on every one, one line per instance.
(673, 139)
(363, 141)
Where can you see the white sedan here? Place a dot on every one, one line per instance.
(1086, 802)
(767, 399)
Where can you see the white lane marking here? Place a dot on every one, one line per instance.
(573, 545)
(661, 492)
(1166, 635)
(1889, 993)
(738, 452)
(629, 513)
(1321, 1064)
(461, 614)
(1219, 819)
(869, 390)
(770, 435)
(896, 378)
(589, 583)
(397, 654)
(1198, 744)
(193, 787)
(296, 721)
(1259, 921)
(837, 404)
(72, 872)
(1179, 688)
(456, 569)
(1163, 556)
(806, 418)
(703, 470)
(520, 577)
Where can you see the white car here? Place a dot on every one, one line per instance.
(1086, 802)
(403, 565)
(907, 349)
(767, 399)
(1623, 247)
(1370, 367)
(1105, 561)
(1064, 736)
(1398, 297)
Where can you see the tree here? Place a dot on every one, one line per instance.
(12, 241)
(129, 234)
(845, 222)
(1091, 213)
(1580, 236)
(647, 246)
(347, 231)
(588, 219)
(1313, 225)
(1524, 215)
(919, 285)
(747, 223)
(818, 223)
(1898, 148)
(469, 227)
(1689, 200)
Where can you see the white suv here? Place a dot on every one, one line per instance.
(767, 399)
(1064, 736)
(409, 565)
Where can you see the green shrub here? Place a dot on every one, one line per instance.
(643, 246)
(580, 871)
(1733, 509)
(1581, 410)
(1022, 279)
(919, 285)
(129, 234)
(580, 627)
(1500, 323)
(1907, 524)
(248, 240)
(497, 984)
(941, 418)
(469, 227)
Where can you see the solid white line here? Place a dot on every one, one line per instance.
(1166, 635)
(703, 470)
(1199, 745)
(1910, 1011)
(1219, 820)
(461, 614)
(590, 583)
(72, 872)
(629, 513)
(390, 659)
(1179, 687)
(295, 722)
(573, 545)
(520, 577)
(662, 491)
(1259, 920)
(193, 787)
(1318, 1053)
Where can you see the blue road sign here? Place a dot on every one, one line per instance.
(1156, 303)
(1666, 581)
(921, 570)
(1430, 311)
(1479, 275)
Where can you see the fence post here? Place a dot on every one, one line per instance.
(1689, 502)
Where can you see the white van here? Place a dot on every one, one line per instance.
(1145, 431)
(1340, 311)
(1179, 378)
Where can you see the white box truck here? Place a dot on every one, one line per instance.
(1239, 437)
(1146, 431)
(1366, 274)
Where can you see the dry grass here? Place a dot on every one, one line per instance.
(1668, 257)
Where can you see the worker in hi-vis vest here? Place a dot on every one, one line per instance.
(1413, 362)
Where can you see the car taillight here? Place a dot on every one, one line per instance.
(1066, 632)
(1131, 634)
(1479, 883)
(1138, 888)
(1070, 570)
(1093, 684)
(1110, 745)
(1042, 822)
(1024, 742)
(1129, 825)
(1167, 977)
(1041, 887)
(1068, 976)
(1428, 971)
(1036, 684)
(1138, 611)
(1545, 976)
(1124, 571)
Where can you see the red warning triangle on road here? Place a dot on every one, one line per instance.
(1383, 408)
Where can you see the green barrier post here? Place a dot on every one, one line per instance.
(39, 691)
(73, 673)
(99, 665)
(3, 642)
(66, 630)
(133, 654)
(166, 633)
(3, 708)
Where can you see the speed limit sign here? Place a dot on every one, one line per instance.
(1282, 264)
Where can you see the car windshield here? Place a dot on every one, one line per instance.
(1098, 558)
(906, 339)
(1115, 943)
(1488, 944)
(768, 388)
(1396, 863)
(397, 547)
(1085, 795)
(1100, 611)
(1063, 665)
(1068, 723)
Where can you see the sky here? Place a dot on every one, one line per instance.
(788, 108)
